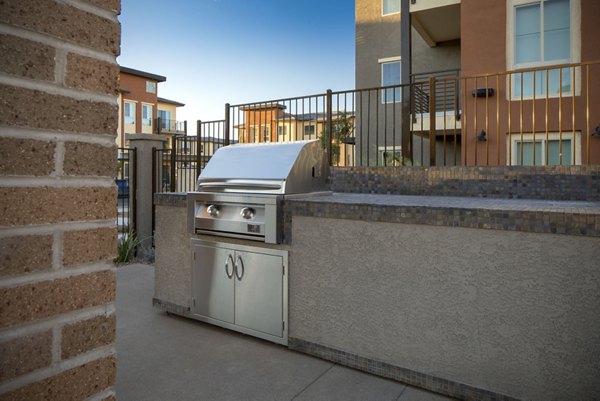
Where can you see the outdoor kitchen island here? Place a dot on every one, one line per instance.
(470, 297)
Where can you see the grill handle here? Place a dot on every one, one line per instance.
(238, 185)
(239, 263)
(229, 275)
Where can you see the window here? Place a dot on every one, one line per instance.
(253, 133)
(542, 36)
(165, 117)
(266, 132)
(390, 156)
(129, 113)
(147, 115)
(390, 75)
(150, 87)
(281, 132)
(390, 7)
(309, 131)
(537, 151)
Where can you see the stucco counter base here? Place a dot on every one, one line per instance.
(479, 299)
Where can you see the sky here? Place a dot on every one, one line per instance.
(238, 51)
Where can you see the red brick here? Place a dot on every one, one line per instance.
(27, 59)
(26, 254)
(84, 336)
(25, 354)
(89, 159)
(89, 246)
(22, 206)
(44, 299)
(30, 108)
(75, 384)
(91, 74)
(26, 157)
(64, 22)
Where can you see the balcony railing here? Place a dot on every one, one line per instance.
(163, 126)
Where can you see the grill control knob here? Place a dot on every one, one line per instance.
(212, 211)
(247, 213)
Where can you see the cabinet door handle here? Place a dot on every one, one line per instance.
(229, 275)
(239, 263)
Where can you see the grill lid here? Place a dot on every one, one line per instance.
(271, 168)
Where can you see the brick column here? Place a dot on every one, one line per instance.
(58, 123)
(143, 143)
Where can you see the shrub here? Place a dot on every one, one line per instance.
(126, 247)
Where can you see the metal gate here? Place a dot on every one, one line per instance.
(126, 195)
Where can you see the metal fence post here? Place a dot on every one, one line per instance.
(227, 120)
(173, 161)
(198, 147)
(185, 126)
(132, 192)
(432, 116)
(329, 126)
(155, 179)
(406, 71)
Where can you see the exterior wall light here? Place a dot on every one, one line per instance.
(483, 92)
(596, 132)
(481, 136)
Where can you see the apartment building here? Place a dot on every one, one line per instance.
(493, 81)
(141, 110)
(273, 122)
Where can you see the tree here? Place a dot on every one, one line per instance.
(342, 128)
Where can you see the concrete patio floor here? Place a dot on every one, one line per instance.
(168, 358)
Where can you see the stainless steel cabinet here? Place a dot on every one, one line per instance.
(240, 287)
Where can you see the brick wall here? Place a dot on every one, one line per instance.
(58, 121)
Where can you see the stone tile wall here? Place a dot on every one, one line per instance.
(549, 183)
(58, 121)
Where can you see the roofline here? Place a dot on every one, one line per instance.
(144, 74)
(263, 106)
(163, 100)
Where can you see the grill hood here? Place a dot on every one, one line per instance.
(266, 168)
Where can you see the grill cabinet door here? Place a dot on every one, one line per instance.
(259, 292)
(212, 288)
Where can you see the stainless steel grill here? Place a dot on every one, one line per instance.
(241, 188)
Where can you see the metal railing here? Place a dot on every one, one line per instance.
(538, 116)
(163, 126)
(365, 124)
(211, 136)
(175, 169)
(446, 91)
(126, 194)
(535, 116)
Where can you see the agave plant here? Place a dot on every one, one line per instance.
(126, 247)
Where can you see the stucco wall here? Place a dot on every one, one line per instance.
(173, 265)
(510, 312)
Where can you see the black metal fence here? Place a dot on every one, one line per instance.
(176, 168)
(126, 194)
(538, 116)
(365, 125)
